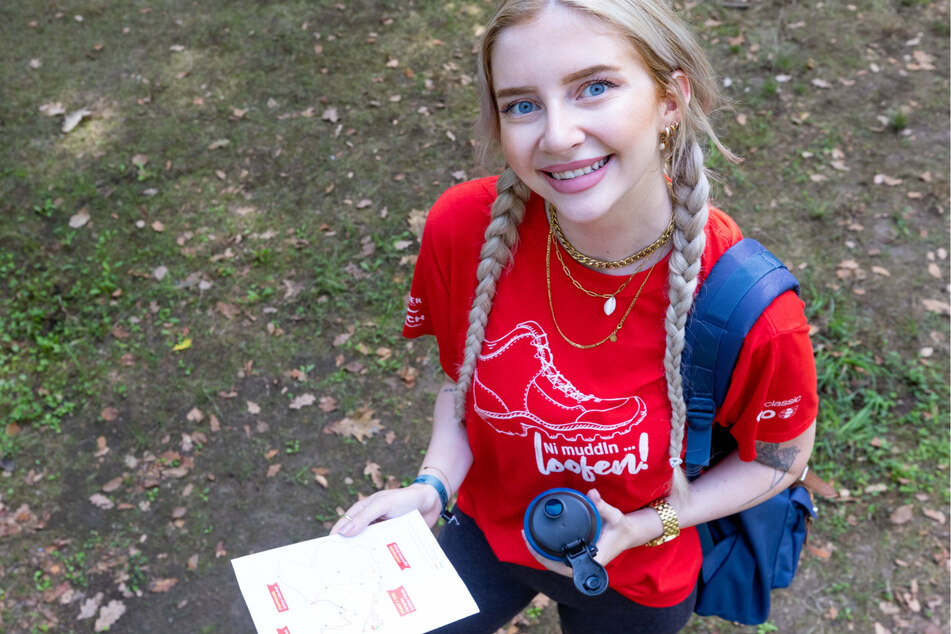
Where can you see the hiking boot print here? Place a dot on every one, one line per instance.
(534, 394)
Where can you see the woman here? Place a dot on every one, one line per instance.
(596, 236)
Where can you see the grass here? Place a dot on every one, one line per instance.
(228, 208)
(861, 389)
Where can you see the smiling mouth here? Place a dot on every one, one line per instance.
(563, 176)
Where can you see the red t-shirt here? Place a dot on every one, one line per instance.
(542, 413)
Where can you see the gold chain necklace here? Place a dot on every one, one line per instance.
(611, 337)
(610, 302)
(587, 260)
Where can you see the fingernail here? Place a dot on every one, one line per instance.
(345, 529)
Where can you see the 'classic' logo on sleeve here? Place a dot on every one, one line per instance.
(779, 409)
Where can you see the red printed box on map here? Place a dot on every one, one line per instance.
(398, 556)
(284, 630)
(401, 601)
(278, 597)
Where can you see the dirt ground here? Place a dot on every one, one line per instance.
(203, 287)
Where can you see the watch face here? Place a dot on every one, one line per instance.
(561, 518)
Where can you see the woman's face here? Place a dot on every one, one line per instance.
(579, 115)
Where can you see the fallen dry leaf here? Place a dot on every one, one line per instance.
(55, 108)
(885, 179)
(108, 615)
(228, 310)
(416, 221)
(409, 374)
(220, 550)
(302, 401)
(113, 485)
(73, 119)
(937, 306)
(253, 408)
(89, 607)
(273, 470)
(194, 415)
(822, 553)
(162, 585)
(193, 563)
(901, 515)
(341, 339)
(360, 425)
(327, 404)
(101, 501)
(79, 219)
(937, 516)
(373, 470)
(320, 475)
(109, 414)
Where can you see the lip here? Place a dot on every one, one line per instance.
(579, 183)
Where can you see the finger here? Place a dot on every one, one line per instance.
(344, 524)
(356, 518)
(554, 566)
(607, 512)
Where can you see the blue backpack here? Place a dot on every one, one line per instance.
(748, 554)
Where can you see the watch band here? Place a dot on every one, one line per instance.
(668, 517)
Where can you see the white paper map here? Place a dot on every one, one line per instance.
(393, 578)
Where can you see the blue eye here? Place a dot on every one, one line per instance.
(520, 108)
(595, 89)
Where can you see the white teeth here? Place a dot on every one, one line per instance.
(561, 176)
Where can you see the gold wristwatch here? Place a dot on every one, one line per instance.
(668, 516)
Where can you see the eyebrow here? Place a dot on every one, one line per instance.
(573, 77)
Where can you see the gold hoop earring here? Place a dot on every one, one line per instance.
(667, 136)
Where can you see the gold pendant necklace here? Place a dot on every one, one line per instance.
(610, 301)
(612, 337)
(587, 260)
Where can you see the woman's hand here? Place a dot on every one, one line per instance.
(388, 504)
(619, 532)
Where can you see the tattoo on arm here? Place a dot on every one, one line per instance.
(778, 457)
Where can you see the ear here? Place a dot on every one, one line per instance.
(677, 97)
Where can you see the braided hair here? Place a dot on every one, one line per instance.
(666, 45)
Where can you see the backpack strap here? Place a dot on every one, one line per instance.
(742, 283)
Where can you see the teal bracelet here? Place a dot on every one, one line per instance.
(437, 484)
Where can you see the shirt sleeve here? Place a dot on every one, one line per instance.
(772, 395)
(445, 276)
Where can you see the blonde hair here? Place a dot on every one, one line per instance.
(665, 44)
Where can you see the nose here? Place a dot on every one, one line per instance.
(562, 131)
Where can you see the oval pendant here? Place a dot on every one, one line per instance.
(613, 337)
(609, 305)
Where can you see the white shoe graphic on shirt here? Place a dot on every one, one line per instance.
(539, 396)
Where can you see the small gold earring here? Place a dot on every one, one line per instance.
(668, 135)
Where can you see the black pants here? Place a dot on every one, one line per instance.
(502, 590)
